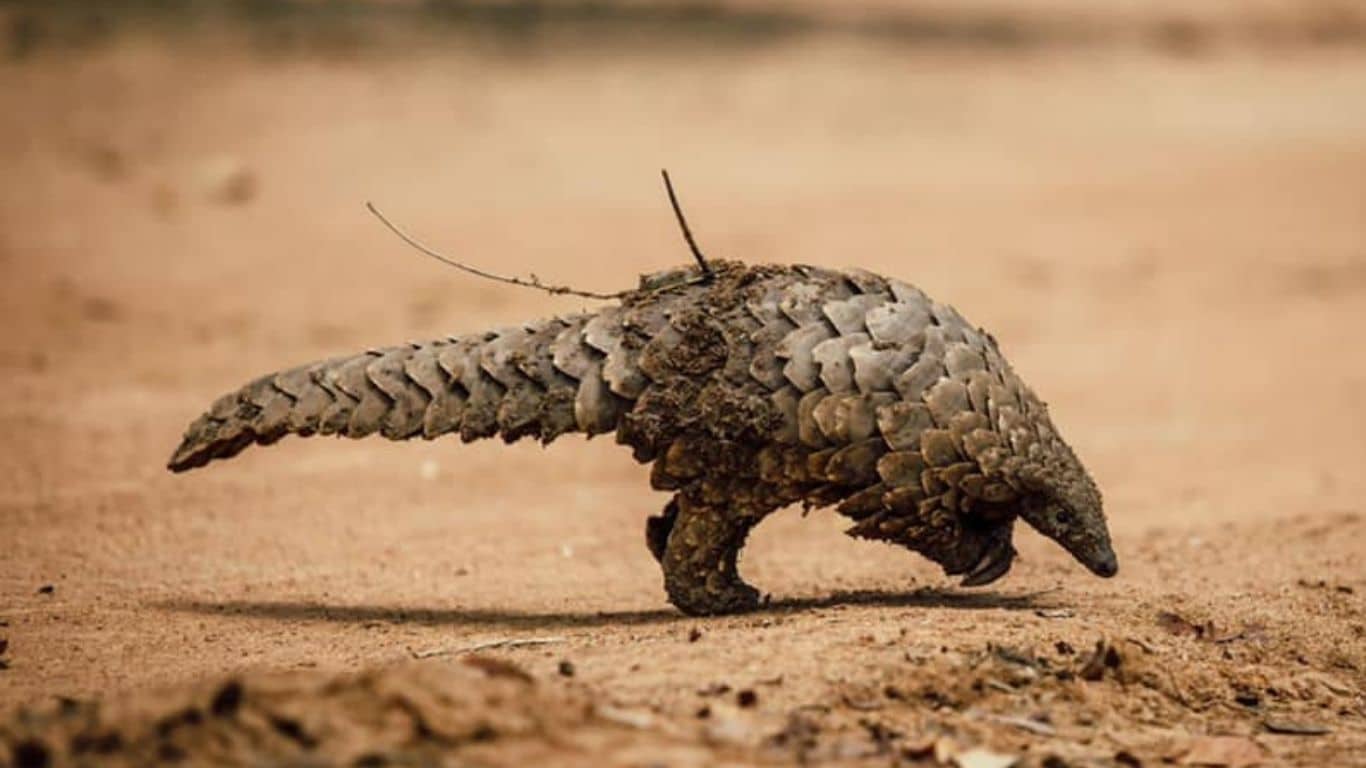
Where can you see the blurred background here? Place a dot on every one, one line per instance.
(1158, 207)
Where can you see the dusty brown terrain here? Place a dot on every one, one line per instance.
(1170, 248)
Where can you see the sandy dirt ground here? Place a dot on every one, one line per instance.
(1170, 246)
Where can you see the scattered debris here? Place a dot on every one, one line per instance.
(731, 731)
(694, 635)
(407, 714)
(860, 702)
(1105, 656)
(1142, 644)
(507, 642)
(882, 734)
(1178, 625)
(227, 700)
(1029, 724)
(917, 749)
(1343, 589)
(631, 718)
(1128, 759)
(1055, 613)
(31, 752)
(1254, 631)
(714, 689)
(1223, 752)
(1013, 656)
(1332, 684)
(47, 589)
(1295, 728)
(984, 758)
(566, 668)
(746, 698)
(497, 667)
(801, 733)
(945, 750)
(997, 685)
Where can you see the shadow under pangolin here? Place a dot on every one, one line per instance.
(318, 611)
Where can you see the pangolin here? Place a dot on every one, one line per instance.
(747, 389)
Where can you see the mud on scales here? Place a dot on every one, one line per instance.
(747, 391)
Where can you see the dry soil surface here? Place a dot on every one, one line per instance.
(1170, 248)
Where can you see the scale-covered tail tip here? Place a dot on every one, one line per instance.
(191, 452)
(205, 441)
(189, 455)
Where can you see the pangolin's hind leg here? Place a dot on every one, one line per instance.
(658, 527)
(700, 556)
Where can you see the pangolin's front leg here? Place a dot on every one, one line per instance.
(701, 554)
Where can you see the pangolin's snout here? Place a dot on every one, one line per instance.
(1105, 564)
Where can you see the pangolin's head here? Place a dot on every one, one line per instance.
(1050, 490)
(1064, 504)
(962, 516)
(1059, 499)
(1044, 484)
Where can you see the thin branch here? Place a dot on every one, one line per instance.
(1036, 727)
(507, 642)
(533, 282)
(683, 223)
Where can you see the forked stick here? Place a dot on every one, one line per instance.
(535, 282)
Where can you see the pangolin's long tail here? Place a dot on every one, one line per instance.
(541, 380)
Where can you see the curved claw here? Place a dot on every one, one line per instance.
(993, 565)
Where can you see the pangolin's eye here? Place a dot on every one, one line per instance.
(1063, 517)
